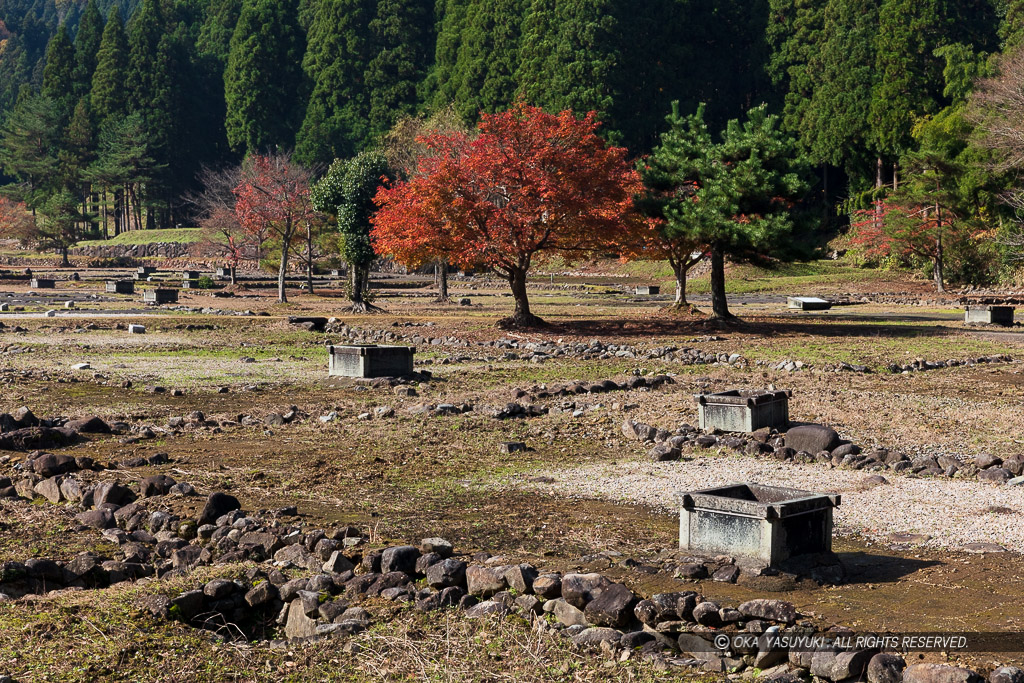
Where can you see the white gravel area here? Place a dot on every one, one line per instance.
(950, 511)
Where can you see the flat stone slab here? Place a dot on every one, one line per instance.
(984, 548)
(910, 539)
(808, 303)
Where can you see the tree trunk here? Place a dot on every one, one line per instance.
(64, 255)
(309, 257)
(680, 271)
(231, 270)
(282, 294)
(442, 281)
(356, 295)
(719, 301)
(521, 317)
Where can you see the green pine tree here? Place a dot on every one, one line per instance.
(538, 66)
(59, 73)
(909, 75)
(87, 45)
(336, 60)
(402, 36)
(109, 96)
(834, 124)
(145, 29)
(29, 144)
(586, 54)
(441, 86)
(263, 79)
(218, 25)
(488, 57)
(794, 35)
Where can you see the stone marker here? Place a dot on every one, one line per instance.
(51, 314)
(768, 524)
(370, 360)
(743, 411)
(70, 305)
(4, 308)
(160, 296)
(989, 315)
(81, 366)
(120, 286)
(136, 329)
(42, 283)
(808, 303)
(647, 290)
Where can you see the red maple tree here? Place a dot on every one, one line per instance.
(16, 221)
(530, 185)
(273, 198)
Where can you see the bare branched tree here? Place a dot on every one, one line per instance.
(215, 207)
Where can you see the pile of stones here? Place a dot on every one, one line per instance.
(540, 351)
(921, 364)
(820, 444)
(23, 431)
(602, 387)
(340, 577)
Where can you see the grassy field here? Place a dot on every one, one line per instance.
(410, 476)
(133, 237)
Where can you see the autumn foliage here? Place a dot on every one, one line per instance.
(530, 185)
(16, 222)
(273, 198)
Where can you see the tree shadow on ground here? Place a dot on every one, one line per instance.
(864, 567)
(617, 329)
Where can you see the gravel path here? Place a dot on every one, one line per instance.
(952, 512)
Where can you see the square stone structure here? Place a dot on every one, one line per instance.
(160, 296)
(120, 286)
(743, 411)
(764, 524)
(190, 284)
(808, 303)
(223, 272)
(145, 270)
(370, 360)
(990, 315)
(190, 275)
(42, 283)
(647, 290)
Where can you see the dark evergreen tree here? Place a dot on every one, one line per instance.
(30, 139)
(263, 79)
(488, 57)
(87, 46)
(402, 37)
(336, 60)
(59, 74)
(218, 26)
(145, 29)
(441, 85)
(834, 125)
(109, 96)
(794, 36)
(586, 55)
(538, 65)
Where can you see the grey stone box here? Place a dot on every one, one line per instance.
(647, 290)
(370, 360)
(808, 303)
(740, 410)
(190, 275)
(765, 524)
(160, 296)
(190, 284)
(120, 286)
(42, 283)
(990, 315)
(145, 270)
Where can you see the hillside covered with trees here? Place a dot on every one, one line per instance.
(111, 109)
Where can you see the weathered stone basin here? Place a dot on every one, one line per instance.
(160, 296)
(989, 315)
(766, 524)
(120, 286)
(740, 410)
(370, 360)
